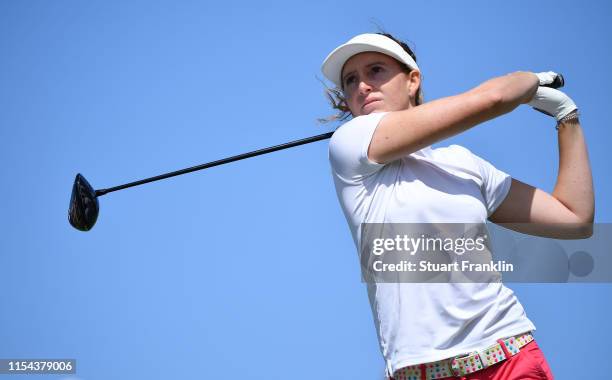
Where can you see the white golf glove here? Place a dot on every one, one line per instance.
(548, 77)
(549, 100)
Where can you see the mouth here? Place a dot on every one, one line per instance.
(368, 102)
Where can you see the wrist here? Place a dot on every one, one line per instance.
(569, 119)
(532, 82)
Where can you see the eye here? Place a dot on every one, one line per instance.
(377, 69)
(349, 80)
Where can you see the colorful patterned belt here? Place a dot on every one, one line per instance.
(463, 365)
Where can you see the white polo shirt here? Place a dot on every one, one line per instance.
(424, 322)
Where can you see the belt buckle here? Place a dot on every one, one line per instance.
(457, 371)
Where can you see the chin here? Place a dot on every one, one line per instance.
(372, 111)
(376, 107)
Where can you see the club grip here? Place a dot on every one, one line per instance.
(557, 83)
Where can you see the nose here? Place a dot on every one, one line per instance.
(364, 87)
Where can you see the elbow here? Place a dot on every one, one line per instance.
(586, 222)
(584, 227)
(584, 230)
(587, 226)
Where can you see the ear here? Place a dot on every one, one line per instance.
(414, 83)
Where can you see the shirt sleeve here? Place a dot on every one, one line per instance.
(495, 183)
(348, 148)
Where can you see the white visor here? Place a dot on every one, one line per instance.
(333, 64)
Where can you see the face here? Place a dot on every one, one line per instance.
(376, 82)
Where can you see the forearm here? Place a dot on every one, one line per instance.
(403, 132)
(574, 187)
(512, 89)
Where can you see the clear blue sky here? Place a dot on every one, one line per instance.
(248, 270)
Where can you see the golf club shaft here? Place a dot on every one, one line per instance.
(218, 162)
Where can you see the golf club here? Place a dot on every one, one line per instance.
(84, 207)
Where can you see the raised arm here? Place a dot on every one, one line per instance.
(568, 212)
(403, 132)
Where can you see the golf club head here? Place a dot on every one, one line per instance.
(84, 208)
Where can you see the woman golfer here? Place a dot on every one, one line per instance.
(385, 171)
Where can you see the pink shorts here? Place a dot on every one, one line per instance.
(528, 364)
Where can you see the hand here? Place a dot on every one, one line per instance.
(550, 79)
(552, 102)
